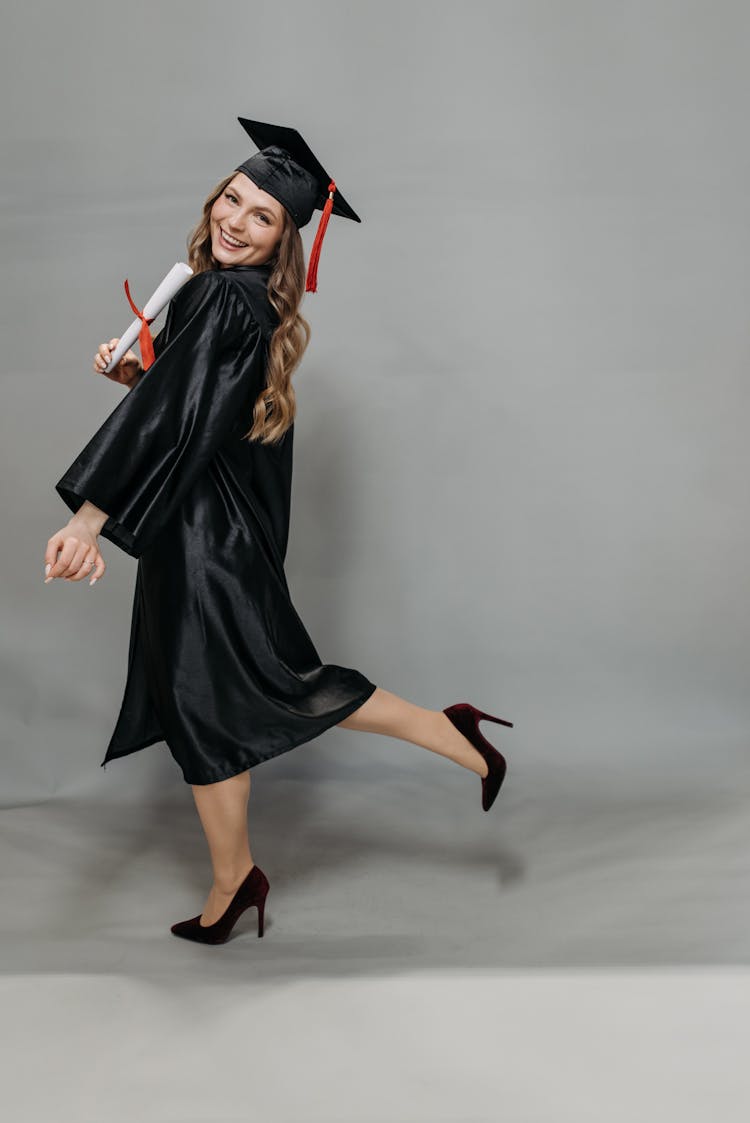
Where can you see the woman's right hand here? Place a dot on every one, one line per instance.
(128, 370)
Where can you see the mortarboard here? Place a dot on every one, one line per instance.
(286, 168)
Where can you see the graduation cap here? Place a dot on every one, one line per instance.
(287, 168)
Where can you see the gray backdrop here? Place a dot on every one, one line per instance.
(521, 466)
(521, 455)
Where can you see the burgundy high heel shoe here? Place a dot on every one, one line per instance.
(252, 891)
(466, 719)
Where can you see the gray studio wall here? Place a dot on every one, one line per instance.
(521, 453)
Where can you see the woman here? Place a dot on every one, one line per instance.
(191, 474)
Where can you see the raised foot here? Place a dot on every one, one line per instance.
(462, 751)
(482, 768)
(466, 717)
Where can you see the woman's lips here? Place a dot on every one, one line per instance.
(229, 245)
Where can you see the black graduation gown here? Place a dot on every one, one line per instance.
(220, 665)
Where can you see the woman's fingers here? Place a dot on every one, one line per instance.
(79, 552)
(68, 557)
(97, 570)
(92, 566)
(104, 354)
(56, 556)
(125, 371)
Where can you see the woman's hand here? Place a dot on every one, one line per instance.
(128, 370)
(73, 552)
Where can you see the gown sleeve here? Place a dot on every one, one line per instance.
(161, 436)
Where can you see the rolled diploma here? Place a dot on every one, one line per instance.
(172, 283)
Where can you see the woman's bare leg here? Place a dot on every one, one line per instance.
(222, 808)
(386, 713)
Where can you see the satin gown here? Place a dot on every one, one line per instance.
(220, 666)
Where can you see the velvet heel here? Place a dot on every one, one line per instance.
(466, 719)
(252, 891)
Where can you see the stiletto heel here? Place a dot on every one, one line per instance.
(252, 891)
(466, 719)
(499, 720)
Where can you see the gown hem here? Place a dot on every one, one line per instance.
(235, 771)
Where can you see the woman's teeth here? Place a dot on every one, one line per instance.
(231, 241)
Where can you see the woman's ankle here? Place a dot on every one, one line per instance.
(228, 881)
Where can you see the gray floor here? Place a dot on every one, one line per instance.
(581, 952)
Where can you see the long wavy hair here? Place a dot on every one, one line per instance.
(276, 406)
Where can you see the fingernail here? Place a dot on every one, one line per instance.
(94, 581)
(47, 568)
(47, 580)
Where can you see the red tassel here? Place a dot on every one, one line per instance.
(312, 269)
(145, 341)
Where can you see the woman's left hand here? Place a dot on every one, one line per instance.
(73, 553)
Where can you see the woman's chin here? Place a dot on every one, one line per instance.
(223, 256)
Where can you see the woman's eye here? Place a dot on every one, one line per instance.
(264, 217)
(229, 195)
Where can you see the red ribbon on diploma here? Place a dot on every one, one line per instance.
(145, 341)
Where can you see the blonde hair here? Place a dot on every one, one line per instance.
(276, 406)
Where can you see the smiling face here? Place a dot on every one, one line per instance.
(246, 224)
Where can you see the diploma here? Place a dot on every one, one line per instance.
(172, 283)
